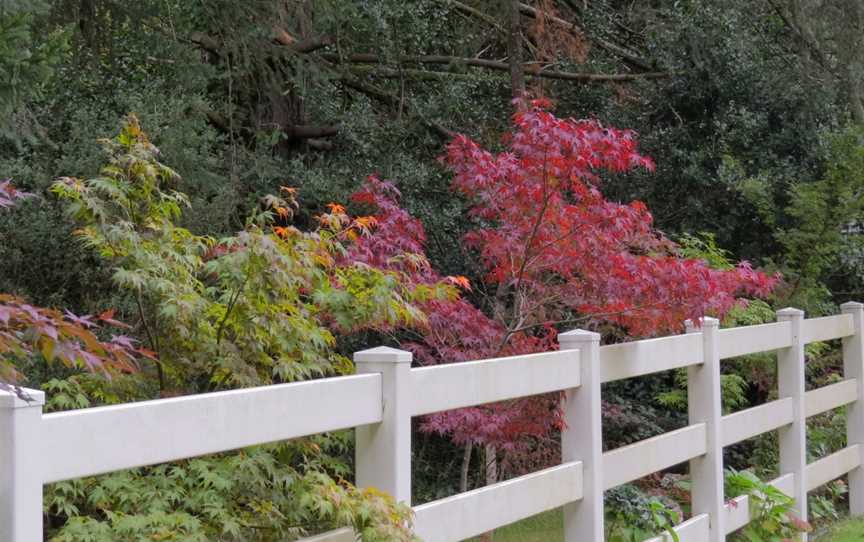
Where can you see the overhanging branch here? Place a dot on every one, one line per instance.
(531, 69)
(629, 56)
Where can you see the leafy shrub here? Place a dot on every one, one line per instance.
(772, 515)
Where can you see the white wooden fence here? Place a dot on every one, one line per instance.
(37, 448)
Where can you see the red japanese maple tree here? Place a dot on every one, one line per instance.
(554, 252)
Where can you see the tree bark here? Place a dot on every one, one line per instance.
(466, 465)
(851, 50)
(87, 22)
(490, 470)
(208, 43)
(514, 50)
(303, 131)
(491, 464)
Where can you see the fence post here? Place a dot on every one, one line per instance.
(853, 367)
(582, 439)
(790, 383)
(705, 405)
(383, 450)
(20, 470)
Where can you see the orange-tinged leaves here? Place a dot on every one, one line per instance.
(366, 224)
(26, 330)
(147, 353)
(107, 317)
(336, 209)
(459, 281)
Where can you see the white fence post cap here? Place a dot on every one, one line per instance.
(578, 336)
(27, 398)
(852, 306)
(383, 354)
(703, 321)
(790, 312)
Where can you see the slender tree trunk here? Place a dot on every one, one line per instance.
(491, 464)
(514, 49)
(802, 18)
(853, 47)
(856, 96)
(491, 473)
(466, 465)
(87, 21)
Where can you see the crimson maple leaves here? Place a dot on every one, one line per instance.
(554, 252)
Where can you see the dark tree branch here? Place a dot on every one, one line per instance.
(206, 42)
(629, 56)
(531, 69)
(392, 101)
(303, 131)
(476, 13)
(308, 45)
(305, 45)
(320, 144)
(216, 119)
(799, 34)
(423, 75)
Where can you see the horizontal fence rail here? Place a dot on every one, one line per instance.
(476, 512)
(456, 385)
(92, 441)
(381, 400)
(827, 328)
(830, 397)
(755, 421)
(638, 358)
(695, 529)
(833, 466)
(651, 455)
(740, 341)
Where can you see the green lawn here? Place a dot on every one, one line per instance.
(848, 531)
(548, 527)
(545, 527)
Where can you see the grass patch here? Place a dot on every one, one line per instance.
(848, 531)
(549, 527)
(545, 527)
